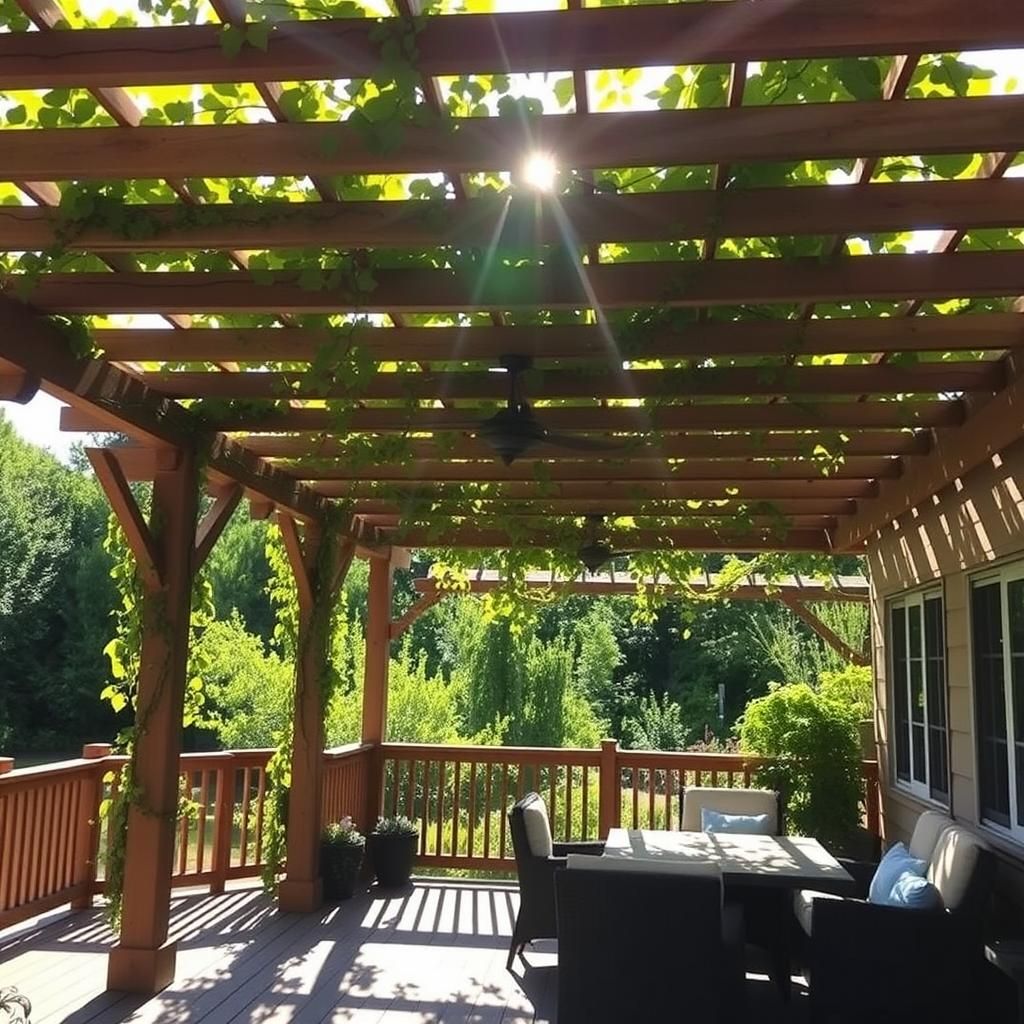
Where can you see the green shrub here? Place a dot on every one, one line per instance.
(852, 686)
(814, 739)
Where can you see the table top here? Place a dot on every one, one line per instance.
(780, 861)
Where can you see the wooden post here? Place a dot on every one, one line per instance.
(6, 765)
(143, 960)
(609, 800)
(301, 890)
(222, 821)
(375, 681)
(87, 826)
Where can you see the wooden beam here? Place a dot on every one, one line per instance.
(802, 612)
(124, 404)
(524, 223)
(799, 445)
(129, 516)
(662, 490)
(422, 604)
(610, 286)
(639, 139)
(994, 425)
(718, 417)
(916, 378)
(852, 589)
(528, 41)
(791, 508)
(646, 471)
(212, 524)
(992, 331)
(635, 540)
(299, 561)
(17, 386)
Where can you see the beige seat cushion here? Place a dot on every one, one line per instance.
(953, 864)
(930, 825)
(803, 904)
(645, 865)
(538, 828)
(730, 801)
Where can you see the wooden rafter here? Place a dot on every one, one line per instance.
(423, 603)
(610, 286)
(992, 331)
(975, 203)
(717, 416)
(535, 41)
(642, 139)
(919, 378)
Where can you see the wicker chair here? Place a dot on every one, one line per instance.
(879, 963)
(644, 940)
(766, 914)
(537, 860)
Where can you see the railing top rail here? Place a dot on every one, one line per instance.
(697, 760)
(493, 755)
(348, 750)
(217, 758)
(28, 778)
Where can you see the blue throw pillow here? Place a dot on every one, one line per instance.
(745, 824)
(915, 892)
(896, 862)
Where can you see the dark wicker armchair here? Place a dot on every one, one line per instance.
(881, 963)
(537, 860)
(646, 941)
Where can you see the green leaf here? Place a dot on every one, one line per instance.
(258, 35)
(232, 38)
(564, 91)
(57, 97)
(17, 115)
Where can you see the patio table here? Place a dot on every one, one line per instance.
(782, 862)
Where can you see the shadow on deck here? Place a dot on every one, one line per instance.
(434, 952)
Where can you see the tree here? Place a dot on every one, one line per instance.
(656, 725)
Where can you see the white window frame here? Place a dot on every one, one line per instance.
(1012, 572)
(917, 599)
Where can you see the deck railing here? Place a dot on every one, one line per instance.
(51, 828)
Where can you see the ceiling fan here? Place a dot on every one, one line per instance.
(594, 553)
(514, 430)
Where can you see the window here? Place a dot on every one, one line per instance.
(918, 670)
(997, 635)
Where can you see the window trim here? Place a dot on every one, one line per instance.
(921, 791)
(1004, 574)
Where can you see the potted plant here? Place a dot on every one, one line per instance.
(341, 857)
(392, 845)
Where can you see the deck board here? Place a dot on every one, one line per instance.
(431, 954)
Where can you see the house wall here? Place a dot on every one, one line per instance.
(972, 523)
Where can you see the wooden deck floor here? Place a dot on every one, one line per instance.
(434, 953)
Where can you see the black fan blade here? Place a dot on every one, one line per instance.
(583, 444)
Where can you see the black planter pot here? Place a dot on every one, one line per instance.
(392, 858)
(339, 868)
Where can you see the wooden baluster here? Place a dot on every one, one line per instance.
(584, 797)
(31, 855)
(23, 820)
(669, 786)
(636, 797)
(6, 813)
(201, 822)
(609, 809)
(45, 850)
(246, 796)
(261, 801)
(471, 824)
(410, 793)
(426, 808)
(651, 796)
(714, 776)
(746, 778)
(183, 837)
(223, 812)
(553, 796)
(439, 838)
(455, 809)
(520, 781)
(568, 802)
(396, 777)
(488, 769)
(504, 809)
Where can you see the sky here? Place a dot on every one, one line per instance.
(38, 421)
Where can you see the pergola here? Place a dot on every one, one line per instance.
(335, 295)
